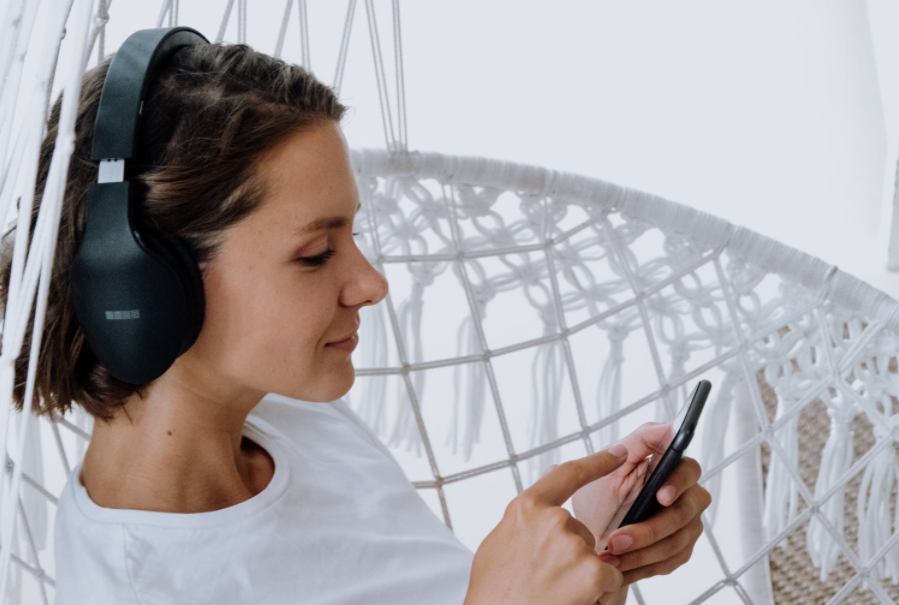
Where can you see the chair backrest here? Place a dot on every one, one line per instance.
(534, 316)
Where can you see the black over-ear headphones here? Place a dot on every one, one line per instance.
(138, 296)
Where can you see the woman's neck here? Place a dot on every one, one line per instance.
(177, 458)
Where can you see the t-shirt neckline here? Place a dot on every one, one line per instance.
(254, 428)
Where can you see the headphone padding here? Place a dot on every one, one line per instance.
(178, 256)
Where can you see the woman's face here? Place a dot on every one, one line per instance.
(271, 307)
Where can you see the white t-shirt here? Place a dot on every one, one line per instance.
(338, 524)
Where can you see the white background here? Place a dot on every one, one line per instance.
(773, 115)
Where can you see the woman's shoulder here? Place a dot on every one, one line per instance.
(301, 420)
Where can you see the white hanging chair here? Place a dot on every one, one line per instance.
(611, 301)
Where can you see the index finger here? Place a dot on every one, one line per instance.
(561, 482)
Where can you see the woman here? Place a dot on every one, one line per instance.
(239, 475)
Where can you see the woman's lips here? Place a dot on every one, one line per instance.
(346, 345)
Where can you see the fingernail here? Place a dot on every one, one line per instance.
(620, 543)
(666, 494)
(618, 450)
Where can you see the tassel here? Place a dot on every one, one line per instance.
(547, 371)
(781, 495)
(404, 407)
(374, 355)
(406, 428)
(463, 344)
(836, 458)
(873, 506)
(475, 378)
(467, 343)
(715, 430)
(608, 400)
(749, 495)
(679, 349)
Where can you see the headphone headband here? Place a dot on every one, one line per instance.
(132, 69)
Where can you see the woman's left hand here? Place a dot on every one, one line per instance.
(665, 541)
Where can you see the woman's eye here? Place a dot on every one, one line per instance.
(319, 259)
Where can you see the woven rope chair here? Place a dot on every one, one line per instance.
(535, 316)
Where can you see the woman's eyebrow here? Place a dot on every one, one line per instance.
(322, 224)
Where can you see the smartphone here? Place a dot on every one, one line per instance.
(664, 460)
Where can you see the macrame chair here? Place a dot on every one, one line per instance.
(534, 316)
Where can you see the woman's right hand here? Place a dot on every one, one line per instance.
(539, 554)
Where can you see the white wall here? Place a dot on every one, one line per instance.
(765, 113)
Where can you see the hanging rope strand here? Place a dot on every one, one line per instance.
(344, 46)
(282, 31)
(400, 80)
(304, 34)
(387, 122)
(226, 18)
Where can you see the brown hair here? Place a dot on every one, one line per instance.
(208, 116)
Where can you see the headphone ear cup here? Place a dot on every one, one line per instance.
(178, 256)
(132, 293)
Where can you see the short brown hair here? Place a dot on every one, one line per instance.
(207, 117)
